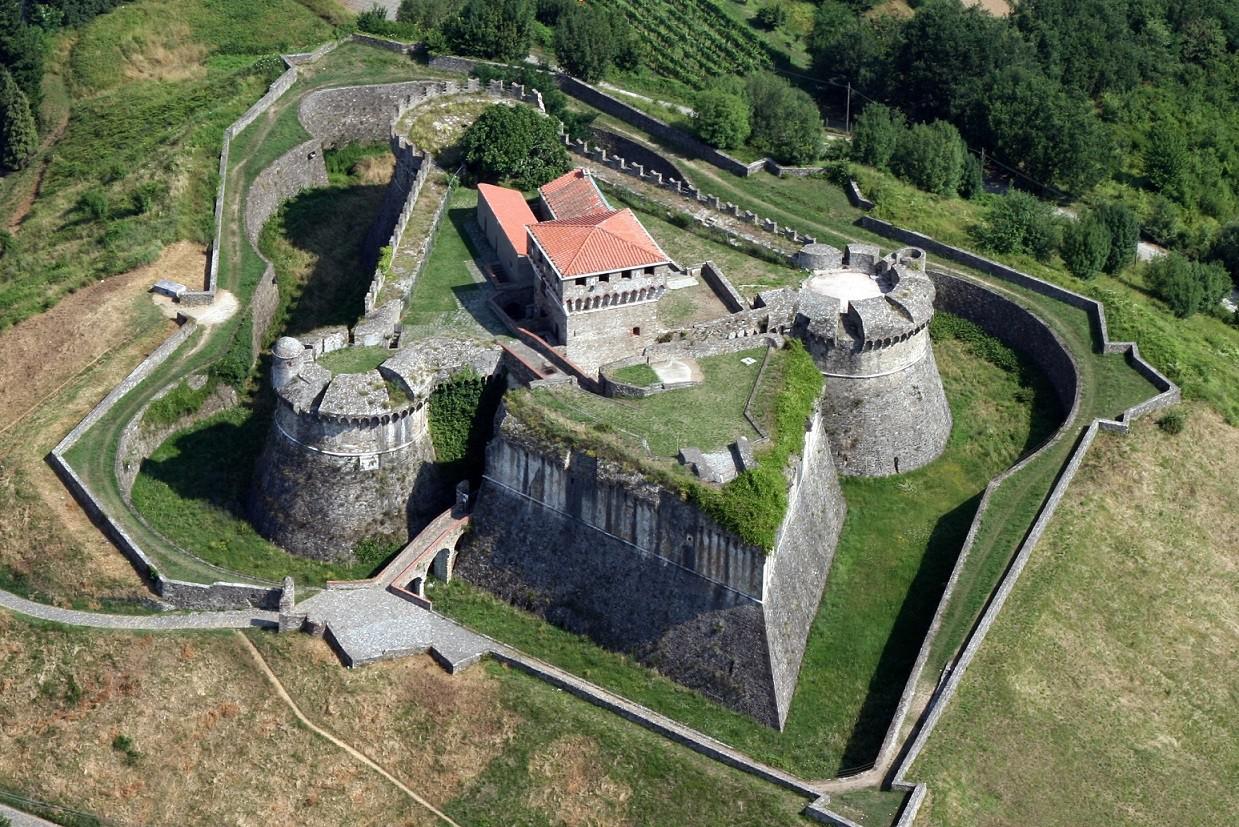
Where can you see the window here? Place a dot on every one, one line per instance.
(636, 331)
(627, 274)
(605, 278)
(580, 282)
(649, 271)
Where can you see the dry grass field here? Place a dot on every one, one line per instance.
(1105, 693)
(53, 368)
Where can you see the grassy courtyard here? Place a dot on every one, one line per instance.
(707, 416)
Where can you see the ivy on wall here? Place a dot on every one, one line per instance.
(462, 413)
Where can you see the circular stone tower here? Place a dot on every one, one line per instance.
(349, 456)
(865, 321)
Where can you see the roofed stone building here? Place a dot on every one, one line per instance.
(598, 274)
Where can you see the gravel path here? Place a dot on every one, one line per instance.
(159, 622)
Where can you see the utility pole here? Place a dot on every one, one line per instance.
(847, 111)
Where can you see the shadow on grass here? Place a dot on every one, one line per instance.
(213, 464)
(330, 225)
(888, 679)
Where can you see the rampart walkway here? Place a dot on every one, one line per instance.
(138, 623)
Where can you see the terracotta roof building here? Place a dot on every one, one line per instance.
(503, 215)
(597, 273)
(603, 242)
(573, 195)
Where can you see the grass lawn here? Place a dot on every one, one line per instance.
(195, 488)
(437, 126)
(495, 746)
(354, 359)
(669, 421)
(639, 374)
(1098, 697)
(899, 542)
(448, 297)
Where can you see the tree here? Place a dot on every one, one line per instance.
(1124, 229)
(772, 16)
(1166, 160)
(785, 122)
(18, 136)
(500, 29)
(428, 14)
(1020, 223)
(721, 119)
(972, 181)
(876, 135)
(1086, 246)
(515, 143)
(1187, 286)
(586, 41)
(931, 156)
(1225, 250)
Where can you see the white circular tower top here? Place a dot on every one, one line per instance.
(286, 347)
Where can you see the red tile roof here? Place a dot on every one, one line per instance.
(600, 243)
(512, 213)
(573, 195)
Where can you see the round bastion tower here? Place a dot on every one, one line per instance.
(865, 320)
(349, 456)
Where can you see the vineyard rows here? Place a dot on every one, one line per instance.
(692, 40)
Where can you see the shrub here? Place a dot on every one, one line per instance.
(1187, 286)
(876, 135)
(427, 14)
(94, 203)
(124, 745)
(1124, 230)
(1173, 422)
(972, 180)
(1225, 250)
(771, 16)
(1086, 245)
(931, 156)
(721, 119)
(145, 196)
(516, 143)
(1020, 223)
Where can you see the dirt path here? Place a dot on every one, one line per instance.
(322, 733)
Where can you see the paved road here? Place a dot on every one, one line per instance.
(159, 622)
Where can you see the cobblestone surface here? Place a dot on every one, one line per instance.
(160, 622)
(367, 625)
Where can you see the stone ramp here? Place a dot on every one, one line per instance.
(368, 625)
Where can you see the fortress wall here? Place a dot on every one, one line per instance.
(139, 440)
(352, 114)
(376, 480)
(635, 153)
(843, 359)
(1011, 324)
(796, 573)
(890, 423)
(606, 552)
(298, 169)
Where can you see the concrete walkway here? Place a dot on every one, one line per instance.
(154, 623)
(19, 819)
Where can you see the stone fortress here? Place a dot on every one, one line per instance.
(590, 544)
